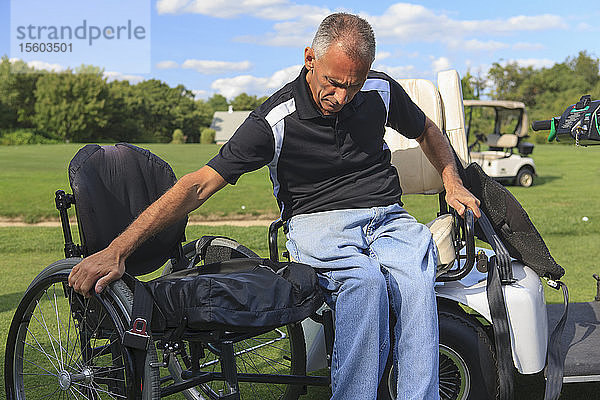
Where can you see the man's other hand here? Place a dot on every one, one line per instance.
(459, 198)
(96, 271)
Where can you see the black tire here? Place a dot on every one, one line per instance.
(61, 342)
(279, 351)
(467, 362)
(524, 177)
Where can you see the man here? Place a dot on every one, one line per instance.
(322, 138)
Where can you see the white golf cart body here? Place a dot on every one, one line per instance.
(503, 163)
(524, 298)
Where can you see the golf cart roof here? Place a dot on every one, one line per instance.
(495, 103)
(523, 126)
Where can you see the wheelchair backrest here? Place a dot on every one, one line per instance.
(443, 105)
(112, 185)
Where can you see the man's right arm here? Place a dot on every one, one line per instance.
(108, 265)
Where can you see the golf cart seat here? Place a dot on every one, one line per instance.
(506, 141)
(417, 174)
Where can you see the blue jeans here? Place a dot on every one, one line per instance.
(371, 260)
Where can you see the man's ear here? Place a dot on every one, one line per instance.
(309, 58)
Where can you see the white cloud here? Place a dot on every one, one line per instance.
(200, 94)
(397, 72)
(172, 6)
(215, 67)
(41, 65)
(382, 55)
(167, 65)
(584, 27)
(528, 46)
(478, 45)
(531, 62)
(298, 32)
(440, 64)
(278, 10)
(118, 76)
(530, 23)
(231, 87)
(403, 22)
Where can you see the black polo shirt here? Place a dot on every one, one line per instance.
(323, 163)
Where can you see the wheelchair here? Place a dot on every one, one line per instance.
(63, 345)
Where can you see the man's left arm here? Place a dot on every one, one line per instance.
(437, 149)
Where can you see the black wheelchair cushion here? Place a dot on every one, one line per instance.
(235, 295)
(511, 223)
(112, 186)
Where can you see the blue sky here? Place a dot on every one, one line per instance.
(256, 46)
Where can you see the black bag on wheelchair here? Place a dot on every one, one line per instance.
(237, 294)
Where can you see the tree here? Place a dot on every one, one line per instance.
(472, 86)
(207, 136)
(124, 110)
(585, 67)
(245, 102)
(218, 102)
(17, 100)
(506, 80)
(71, 106)
(178, 137)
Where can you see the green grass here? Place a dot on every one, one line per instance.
(566, 190)
(29, 176)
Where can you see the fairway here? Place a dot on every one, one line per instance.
(566, 190)
(29, 176)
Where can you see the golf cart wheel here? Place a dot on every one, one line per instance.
(524, 177)
(467, 361)
(467, 368)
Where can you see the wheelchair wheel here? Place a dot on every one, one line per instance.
(62, 345)
(281, 351)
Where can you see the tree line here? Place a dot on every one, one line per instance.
(81, 105)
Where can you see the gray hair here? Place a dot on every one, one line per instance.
(351, 31)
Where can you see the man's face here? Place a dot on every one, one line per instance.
(334, 79)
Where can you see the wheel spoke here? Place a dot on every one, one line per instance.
(62, 362)
(32, 363)
(52, 340)
(41, 348)
(48, 396)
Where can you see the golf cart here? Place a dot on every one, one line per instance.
(507, 158)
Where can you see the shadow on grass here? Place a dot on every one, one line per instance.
(542, 180)
(537, 181)
(10, 301)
